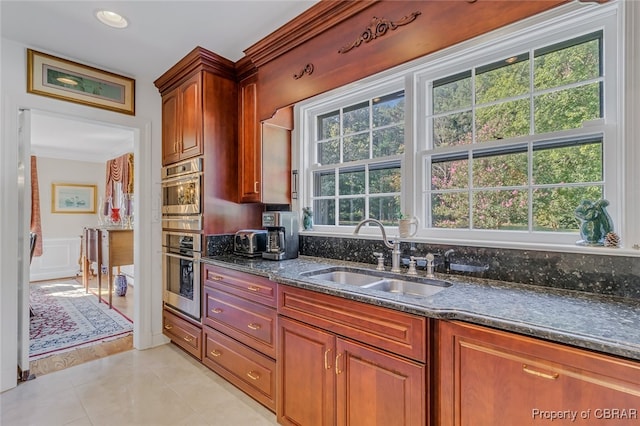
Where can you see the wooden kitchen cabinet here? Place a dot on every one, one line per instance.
(182, 121)
(239, 325)
(326, 377)
(490, 377)
(183, 333)
(264, 162)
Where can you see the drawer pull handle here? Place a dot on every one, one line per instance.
(327, 366)
(188, 339)
(215, 353)
(254, 326)
(253, 375)
(216, 310)
(550, 376)
(253, 288)
(168, 327)
(255, 187)
(217, 277)
(338, 371)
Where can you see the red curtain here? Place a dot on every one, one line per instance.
(120, 169)
(36, 224)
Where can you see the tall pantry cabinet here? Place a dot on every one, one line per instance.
(199, 118)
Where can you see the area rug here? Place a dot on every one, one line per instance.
(66, 317)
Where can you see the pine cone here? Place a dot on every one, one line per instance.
(611, 240)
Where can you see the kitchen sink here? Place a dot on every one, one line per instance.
(409, 288)
(380, 281)
(346, 277)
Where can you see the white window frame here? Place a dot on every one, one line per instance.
(565, 22)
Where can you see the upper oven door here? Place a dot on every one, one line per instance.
(181, 195)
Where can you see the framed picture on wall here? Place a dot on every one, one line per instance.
(70, 81)
(73, 198)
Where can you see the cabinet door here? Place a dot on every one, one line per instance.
(487, 377)
(249, 144)
(170, 137)
(191, 117)
(375, 388)
(306, 391)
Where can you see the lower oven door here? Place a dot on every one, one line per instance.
(181, 280)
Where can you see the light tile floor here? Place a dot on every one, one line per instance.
(159, 386)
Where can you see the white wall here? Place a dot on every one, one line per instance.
(53, 170)
(147, 127)
(61, 232)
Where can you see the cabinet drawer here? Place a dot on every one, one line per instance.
(397, 332)
(249, 322)
(182, 333)
(252, 287)
(249, 370)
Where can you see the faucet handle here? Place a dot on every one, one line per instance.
(380, 257)
(412, 266)
(430, 257)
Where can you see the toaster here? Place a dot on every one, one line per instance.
(250, 242)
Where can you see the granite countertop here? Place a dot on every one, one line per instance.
(605, 324)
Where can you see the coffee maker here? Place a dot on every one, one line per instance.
(282, 235)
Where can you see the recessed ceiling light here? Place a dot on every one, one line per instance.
(111, 19)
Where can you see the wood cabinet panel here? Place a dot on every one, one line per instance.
(182, 333)
(249, 286)
(249, 145)
(249, 370)
(376, 388)
(395, 331)
(182, 121)
(440, 24)
(489, 377)
(306, 388)
(246, 321)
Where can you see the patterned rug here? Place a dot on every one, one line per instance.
(66, 317)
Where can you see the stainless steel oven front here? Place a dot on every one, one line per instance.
(181, 188)
(181, 254)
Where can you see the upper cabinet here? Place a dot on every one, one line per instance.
(182, 121)
(200, 118)
(264, 148)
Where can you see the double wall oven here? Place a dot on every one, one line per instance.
(182, 236)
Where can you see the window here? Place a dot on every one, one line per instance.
(356, 172)
(508, 148)
(495, 140)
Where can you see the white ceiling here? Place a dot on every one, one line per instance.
(160, 33)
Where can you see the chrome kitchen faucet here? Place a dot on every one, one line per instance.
(395, 246)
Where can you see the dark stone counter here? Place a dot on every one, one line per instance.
(602, 323)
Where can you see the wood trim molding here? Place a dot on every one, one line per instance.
(307, 69)
(377, 28)
(314, 21)
(199, 59)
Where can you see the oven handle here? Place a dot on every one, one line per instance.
(194, 177)
(195, 258)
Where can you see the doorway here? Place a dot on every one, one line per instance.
(107, 139)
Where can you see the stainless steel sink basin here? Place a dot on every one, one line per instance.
(380, 281)
(346, 277)
(409, 288)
